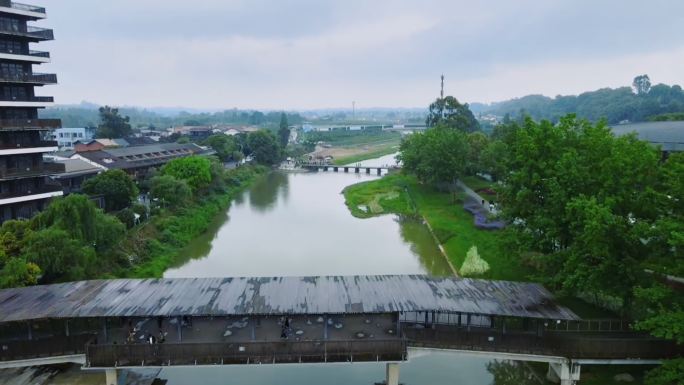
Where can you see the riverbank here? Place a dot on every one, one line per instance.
(155, 246)
(453, 227)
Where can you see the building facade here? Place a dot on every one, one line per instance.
(66, 137)
(24, 184)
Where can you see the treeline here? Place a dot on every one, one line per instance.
(638, 103)
(89, 117)
(74, 240)
(596, 216)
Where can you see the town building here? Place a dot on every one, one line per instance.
(76, 171)
(138, 160)
(67, 137)
(24, 184)
(669, 136)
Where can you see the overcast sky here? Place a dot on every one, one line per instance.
(301, 54)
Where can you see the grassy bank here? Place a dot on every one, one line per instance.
(375, 152)
(156, 245)
(452, 225)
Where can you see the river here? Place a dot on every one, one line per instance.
(296, 224)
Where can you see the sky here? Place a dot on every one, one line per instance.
(309, 54)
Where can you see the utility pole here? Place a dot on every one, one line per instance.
(441, 94)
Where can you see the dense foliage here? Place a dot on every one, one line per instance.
(113, 125)
(118, 189)
(283, 131)
(614, 105)
(450, 113)
(82, 116)
(59, 244)
(264, 147)
(437, 155)
(194, 170)
(227, 147)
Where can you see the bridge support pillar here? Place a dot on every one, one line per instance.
(111, 377)
(563, 374)
(392, 374)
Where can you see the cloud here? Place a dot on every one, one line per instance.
(325, 53)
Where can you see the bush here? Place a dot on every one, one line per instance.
(127, 217)
(473, 264)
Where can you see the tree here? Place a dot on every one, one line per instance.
(435, 156)
(78, 216)
(194, 170)
(59, 256)
(19, 273)
(113, 125)
(116, 186)
(584, 200)
(477, 143)
(642, 84)
(450, 113)
(226, 146)
(264, 147)
(171, 191)
(283, 131)
(671, 372)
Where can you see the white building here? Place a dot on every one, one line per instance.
(66, 137)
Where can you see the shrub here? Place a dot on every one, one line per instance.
(473, 264)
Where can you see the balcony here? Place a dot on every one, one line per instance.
(16, 195)
(48, 168)
(28, 148)
(35, 78)
(33, 33)
(33, 11)
(26, 101)
(25, 55)
(30, 124)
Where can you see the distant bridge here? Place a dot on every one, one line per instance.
(108, 324)
(355, 168)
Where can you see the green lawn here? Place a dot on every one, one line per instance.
(475, 183)
(453, 226)
(383, 150)
(353, 138)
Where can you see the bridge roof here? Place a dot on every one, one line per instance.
(278, 295)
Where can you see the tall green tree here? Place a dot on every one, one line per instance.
(264, 147)
(283, 131)
(448, 112)
(438, 155)
(171, 192)
(226, 146)
(642, 84)
(477, 144)
(59, 256)
(194, 170)
(113, 125)
(17, 272)
(78, 216)
(585, 200)
(118, 189)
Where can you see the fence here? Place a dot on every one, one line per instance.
(47, 347)
(170, 354)
(552, 344)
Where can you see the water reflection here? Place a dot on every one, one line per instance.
(297, 224)
(263, 195)
(417, 236)
(512, 373)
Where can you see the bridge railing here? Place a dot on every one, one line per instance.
(170, 354)
(46, 347)
(586, 346)
(595, 325)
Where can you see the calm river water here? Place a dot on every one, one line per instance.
(294, 224)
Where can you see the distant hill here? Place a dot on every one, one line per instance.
(615, 105)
